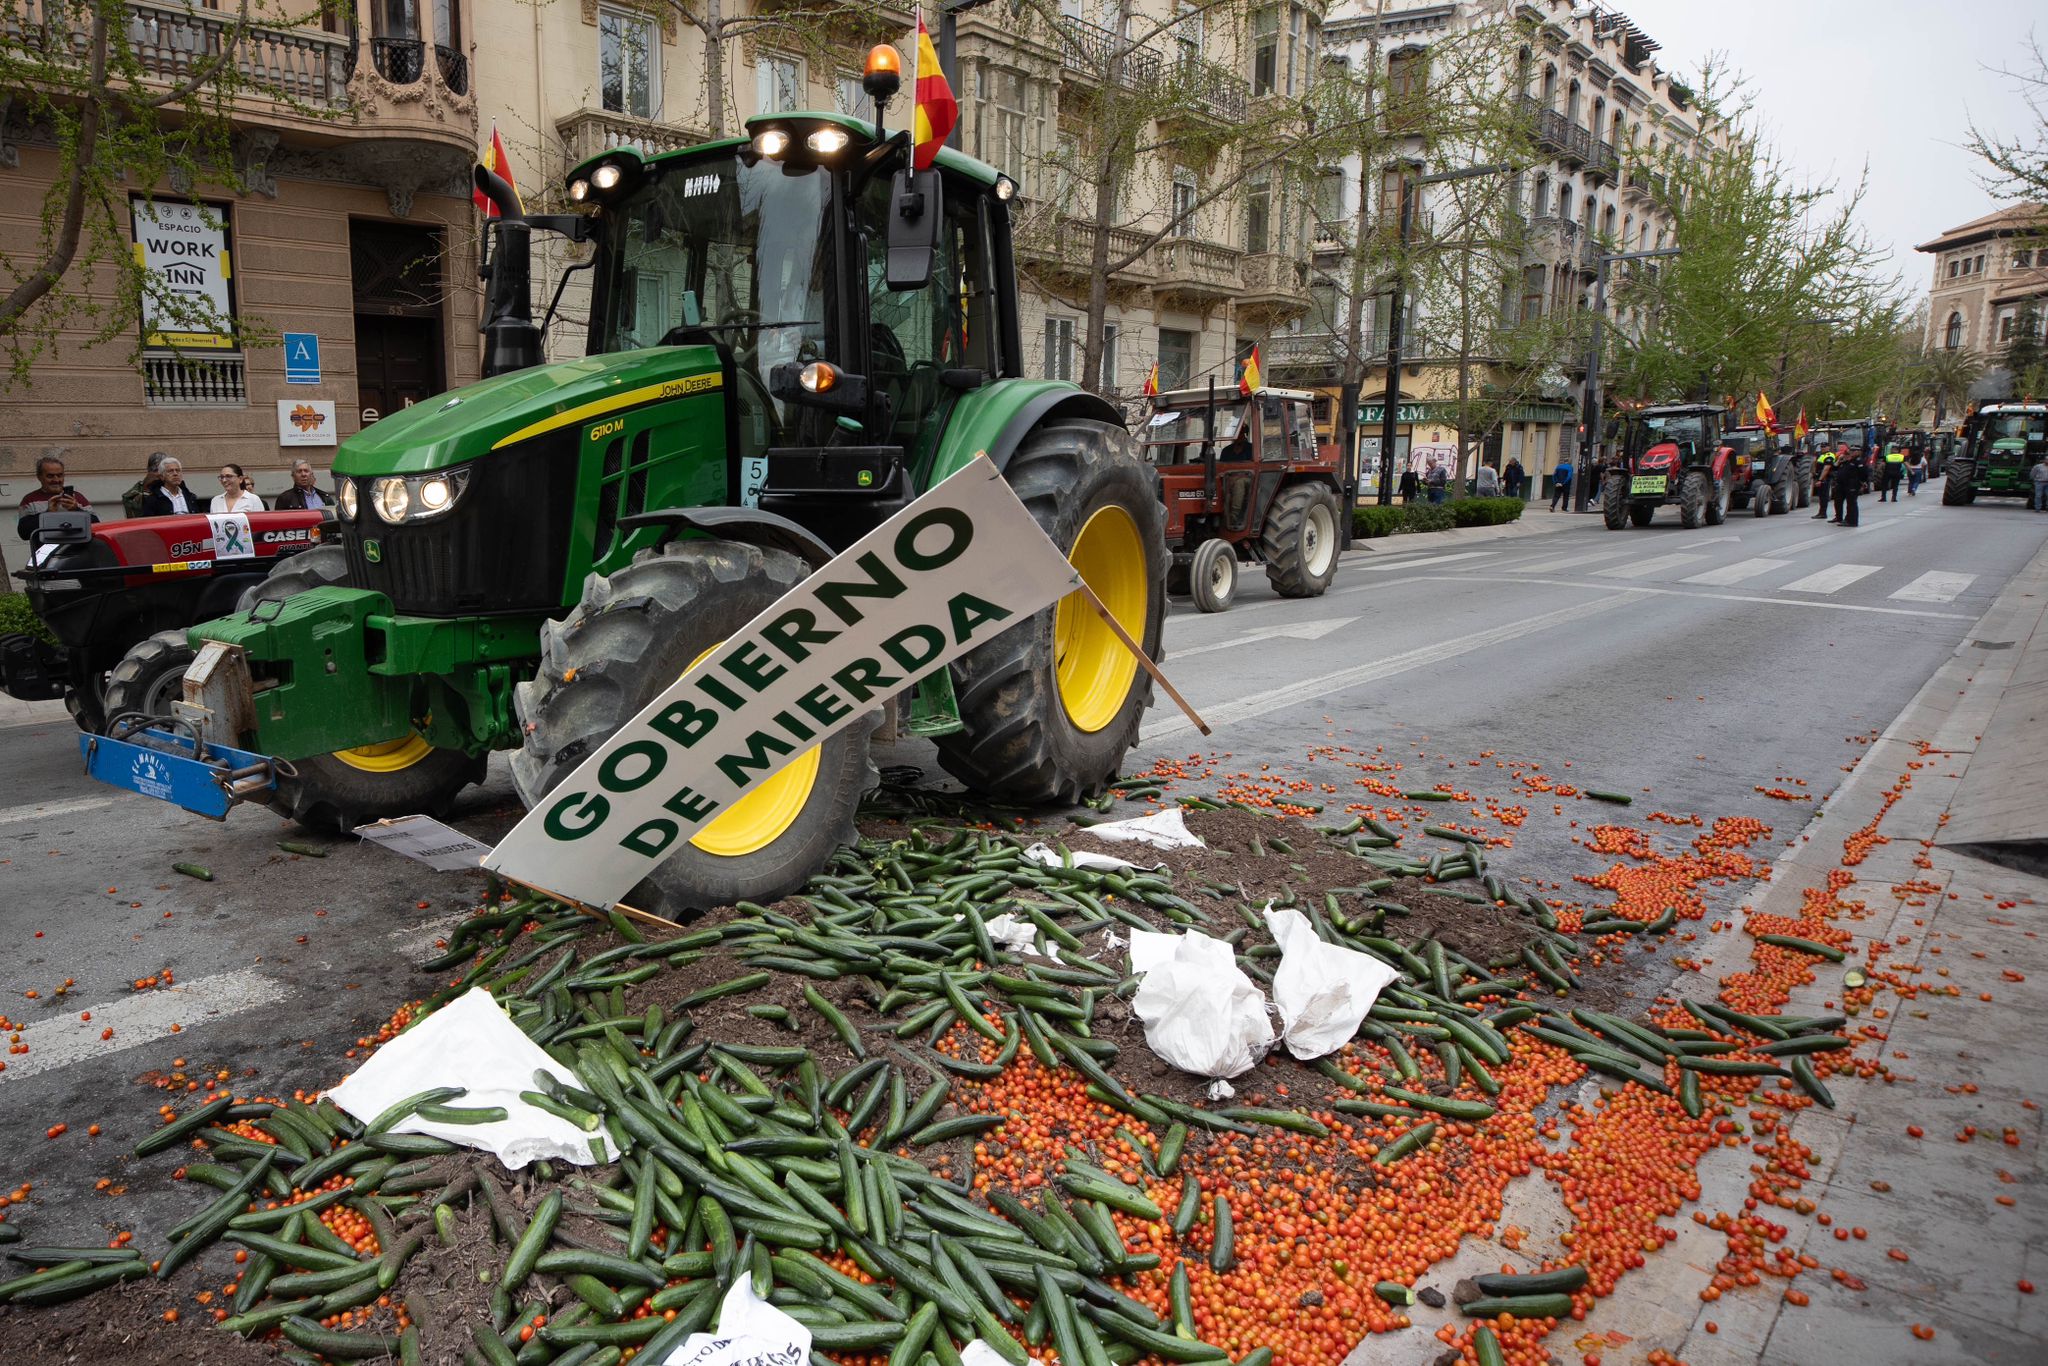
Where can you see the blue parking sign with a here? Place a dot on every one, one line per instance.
(301, 358)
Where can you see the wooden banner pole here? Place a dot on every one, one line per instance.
(1109, 618)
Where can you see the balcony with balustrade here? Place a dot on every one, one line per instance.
(589, 132)
(1059, 248)
(1191, 272)
(1275, 288)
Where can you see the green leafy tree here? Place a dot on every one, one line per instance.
(119, 115)
(2016, 166)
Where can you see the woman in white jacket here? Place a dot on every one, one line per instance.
(235, 494)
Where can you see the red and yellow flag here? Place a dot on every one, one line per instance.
(496, 161)
(1250, 379)
(1152, 381)
(936, 110)
(1799, 427)
(1766, 415)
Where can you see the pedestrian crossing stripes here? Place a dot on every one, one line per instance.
(1431, 559)
(1742, 571)
(1935, 586)
(1643, 569)
(1833, 579)
(1568, 562)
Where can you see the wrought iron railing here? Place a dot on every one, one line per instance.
(1094, 51)
(401, 61)
(454, 68)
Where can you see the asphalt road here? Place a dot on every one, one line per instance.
(1690, 668)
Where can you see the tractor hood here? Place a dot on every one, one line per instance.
(452, 429)
(1659, 457)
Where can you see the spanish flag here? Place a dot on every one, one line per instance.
(1250, 379)
(1799, 427)
(496, 161)
(1152, 381)
(936, 110)
(1766, 416)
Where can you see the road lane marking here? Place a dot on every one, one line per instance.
(1642, 569)
(1833, 579)
(1935, 586)
(1300, 630)
(1568, 562)
(1309, 689)
(1733, 597)
(36, 811)
(1711, 540)
(1739, 572)
(144, 1017)
(1433, 559)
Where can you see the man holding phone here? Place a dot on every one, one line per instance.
(52, 494)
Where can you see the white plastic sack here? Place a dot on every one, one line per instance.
(751, 1332)
(1322, 991)
(1201, 1013)
(1018, 935)
(1162, 830)
(979, 1353)
(1083, 858)
(469, 1043)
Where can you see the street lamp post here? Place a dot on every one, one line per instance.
(1395, 320)
(1589, 414)
(949, 13)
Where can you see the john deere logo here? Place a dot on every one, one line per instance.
(867, 477)
(373, 552)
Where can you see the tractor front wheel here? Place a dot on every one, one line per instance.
(339, 791)
(1760, 499)
(1956, 489)
(1614, 501)
(631, 637)
(1050, 707)
(1693, 488)
(1214, 576)
(1717, 501)
(1299, 541)
(149, 678)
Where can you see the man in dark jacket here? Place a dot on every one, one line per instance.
(1849, 473)
(138, 492)
(170, 497)
(304, 495)
(1410, 487)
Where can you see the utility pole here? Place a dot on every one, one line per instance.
(1396, 300)
(1589, 414)
(949, 13)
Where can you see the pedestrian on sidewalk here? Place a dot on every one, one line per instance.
(1439, 480)
(1516, 476)
(1487, 483)
(1410, 490)
(1849, 475)
(1823, 475)
(1916, 472)
(2040, 474)
(1561, 485)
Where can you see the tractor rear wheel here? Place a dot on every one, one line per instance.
(1760, 496)
(1692, 499)
(1957, 490)
(1213, 579)
(1300, 541)
(1050, 707)
(339, 791)
(631, 637)
(1614, 501)
(149, 678)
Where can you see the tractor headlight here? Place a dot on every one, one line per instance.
(1006, 188)
(771, 143)
(391, 498)
(579, 190)
(606, 177)
(347, 499)
(827, 141)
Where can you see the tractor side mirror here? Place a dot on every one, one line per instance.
(915, 212)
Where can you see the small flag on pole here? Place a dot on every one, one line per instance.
(498, 163)
(1766, 416)
(1799, 427)
(936, 110)
(1250, 379)
(1152, 381)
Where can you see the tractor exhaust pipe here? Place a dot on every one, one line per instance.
(511, 339)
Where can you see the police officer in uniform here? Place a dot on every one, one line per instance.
(1849, 475)
(1823, 471)
(1894, 471)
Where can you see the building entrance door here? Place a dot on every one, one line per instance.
(398, 274)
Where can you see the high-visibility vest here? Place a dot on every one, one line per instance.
(1825, 458)
(1894, 457)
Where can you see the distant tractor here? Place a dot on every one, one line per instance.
(1672, 453)
(1995, 457)
(1244, 479)
(1769, 476)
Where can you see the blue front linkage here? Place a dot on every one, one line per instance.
(170, 768)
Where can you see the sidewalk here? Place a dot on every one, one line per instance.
(1942, 1230)
(1538, 520)
(17, 713)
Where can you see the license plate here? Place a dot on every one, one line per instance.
(1647, 483)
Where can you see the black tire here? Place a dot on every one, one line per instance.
(1760, 496)
(1213, 578)
(86, 701)
(1300, 541)
(150, 677)
(1641, 514)
(1018, 741)
(331, 794)
(1717, 502)
(1802, 475)
(1738, 497)
(1179, 582)
(1956, 489)
(1692, 499)
(1781, 496)
(633, 634)
(1614, 501)
(319, 567)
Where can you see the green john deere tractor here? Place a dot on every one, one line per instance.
(792, 335)
(2001, 443)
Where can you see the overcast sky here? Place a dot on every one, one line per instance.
(1895, 83)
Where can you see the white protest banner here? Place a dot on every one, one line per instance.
(956, 568)
(232, 539)
(440, 847)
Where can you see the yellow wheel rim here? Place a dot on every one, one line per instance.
(1094, 670)
(765, 814)
(388, 757)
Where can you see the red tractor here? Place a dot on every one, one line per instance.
(102, 589)
(1672, 453)
(1244, 479)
